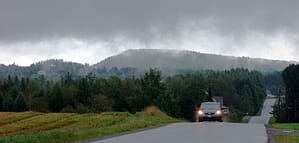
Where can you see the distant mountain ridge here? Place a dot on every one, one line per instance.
(134, 62)
(188, 60)
(51, 69)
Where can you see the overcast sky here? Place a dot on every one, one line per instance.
(87, 31)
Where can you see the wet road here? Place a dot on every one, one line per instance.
(265, 116)
(206, 132)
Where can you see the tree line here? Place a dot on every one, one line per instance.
(287, 108)
(178, 95)
(274, 82)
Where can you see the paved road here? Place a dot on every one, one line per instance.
(207, 132)
(265, 116)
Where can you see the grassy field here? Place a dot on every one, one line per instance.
(293, 126)
(284, 138)
(287, 138)
(33, 127)
(274, 124)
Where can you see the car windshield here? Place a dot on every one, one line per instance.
(210, 106)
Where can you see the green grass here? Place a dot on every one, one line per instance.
(245, 119)
(286, 138)
(292, 126)
(65, 127)
(272, 120)
(10, 117)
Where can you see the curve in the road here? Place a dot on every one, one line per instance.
(265, 115)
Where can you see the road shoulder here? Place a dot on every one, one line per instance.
(122, 134)
(273, 131)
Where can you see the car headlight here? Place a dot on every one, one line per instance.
(200, 112)
(218, 112)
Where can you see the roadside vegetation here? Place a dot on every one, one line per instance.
(282, 138)
(287, 110)
(286, 138)
(34, 127)
(292, 126)
(272, 120)
(178, 95)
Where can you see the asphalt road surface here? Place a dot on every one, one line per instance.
(265, 116)
(206, 132)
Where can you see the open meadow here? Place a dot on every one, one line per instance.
(34, 127)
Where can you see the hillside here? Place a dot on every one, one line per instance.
(134, 62)
(173, 60)
(50, 69)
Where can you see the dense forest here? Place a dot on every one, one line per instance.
(179, 95)
(54, 68)
(274, 83)
(288, 111)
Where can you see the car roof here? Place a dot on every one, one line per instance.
(210, 103)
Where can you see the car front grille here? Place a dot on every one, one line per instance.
(209, 113)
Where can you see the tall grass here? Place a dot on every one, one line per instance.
(65, 127)
(287, 138)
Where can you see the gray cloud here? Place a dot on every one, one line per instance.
(35, 19)
(32, 30)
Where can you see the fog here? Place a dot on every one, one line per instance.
(90, 31)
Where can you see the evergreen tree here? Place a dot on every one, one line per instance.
(151, 86)
(56, 100)
(291, 78)
(20, 104)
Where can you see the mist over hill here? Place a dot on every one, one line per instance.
(174, 60)
(135, 62)
(50, 69)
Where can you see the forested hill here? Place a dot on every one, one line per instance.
(51, 69)
(135, 62)
(174, 60)
(55, 68)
